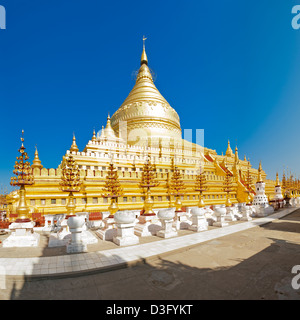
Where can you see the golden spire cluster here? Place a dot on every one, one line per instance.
(70, 179)
(22, 168)
(200, 186)
(24, 177)
(148, 181)
(291, 185)
(248, 182)
(112, 188)
(228, 186)
(176, 187)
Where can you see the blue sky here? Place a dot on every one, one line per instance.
(228, 67)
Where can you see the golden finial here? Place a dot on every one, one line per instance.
(259, 178)
(229, 150)
(94, 138)
(24, 177)
(236, 155)
(144, 56)
(74, 145)
(36, 163)
(144, 39)
(108, 131)
(277, 180)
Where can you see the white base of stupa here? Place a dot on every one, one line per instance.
(22, 235)
(167, 233)
(147, 226)
(220, 224)
(230, 214)
(201, 225)
(76, 247)
(64, 238)
(109, 231)
(125, 235)
(126, 241)
(107, 234)
(246, 213)
(181, 221)
(263, 210)
(13, 240)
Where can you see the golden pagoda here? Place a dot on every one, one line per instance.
(146, 112)
(145, 126)
(36, 163)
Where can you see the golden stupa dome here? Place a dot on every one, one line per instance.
(145, 111)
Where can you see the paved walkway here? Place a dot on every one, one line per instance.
(91, 262)
(255, 263)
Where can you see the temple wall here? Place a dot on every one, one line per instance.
(46, 196)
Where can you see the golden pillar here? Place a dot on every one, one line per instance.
(23, 171)
(177, 187)
(227, 186)
(112, 189)
(70, 181)
(148, 181)
(200, 186)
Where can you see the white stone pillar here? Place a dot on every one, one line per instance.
(230, 214)
(166, 217)
(199, 222)
(125, 221)
(246, 213)
(109, 230)
(220, 213)
(75, 225)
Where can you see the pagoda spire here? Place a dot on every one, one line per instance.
(229, 152)
(259, 178)
(144, 59)
(102, 136)
(108, 131)
(94, 138)
(36, 163)
(277, 180)
(236, 155)
(74, 147)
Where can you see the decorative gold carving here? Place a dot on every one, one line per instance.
(24, 177)
(70, 181)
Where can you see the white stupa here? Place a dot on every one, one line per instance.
(278, 191)
(260, 200)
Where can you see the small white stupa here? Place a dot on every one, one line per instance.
(278, 191)
(260, 200)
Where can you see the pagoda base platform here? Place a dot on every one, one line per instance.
(125, 235)
(181, 221)
(64, 238)
(22, 235)
(109, 231)
(230, 214)
(148, 226)
(199, 225)
(76, 247)
(263, 210)
(107, 234)
(166, 233)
